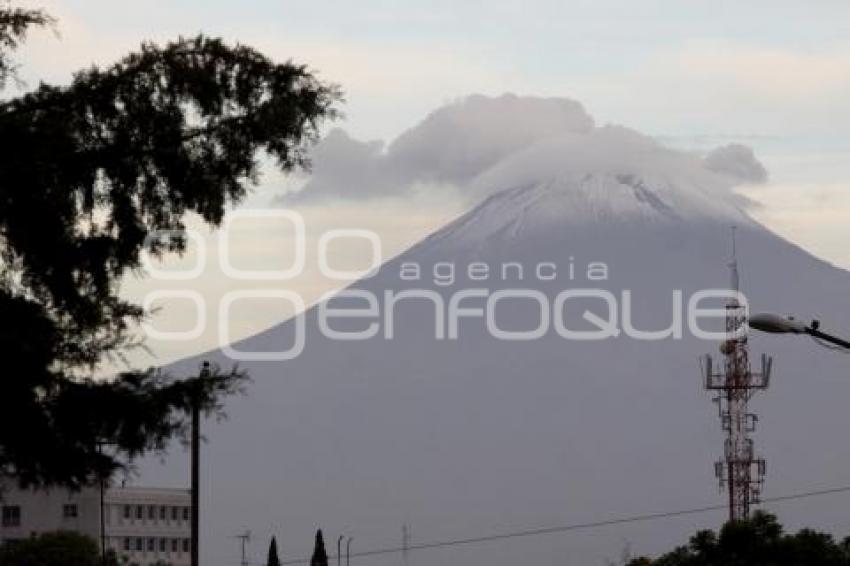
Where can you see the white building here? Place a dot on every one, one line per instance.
(145, 525)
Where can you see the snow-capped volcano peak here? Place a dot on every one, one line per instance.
(482, 146)
(610, 176)
(616, 170)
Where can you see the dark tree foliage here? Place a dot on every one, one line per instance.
(49, 549)
(94, 174)
(273, 559)
(757, 542)
(14, 24)
(320, 557)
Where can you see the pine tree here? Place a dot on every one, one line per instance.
(320, 557)
(273, 560)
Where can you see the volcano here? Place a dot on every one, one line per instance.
(478, 435)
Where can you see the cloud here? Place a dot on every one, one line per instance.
(479, 145)
(738, 161)
(343, 167)
(450, 147)
(456, 142)
(606, 150)
(681, 179)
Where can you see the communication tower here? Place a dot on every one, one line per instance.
(741, 472)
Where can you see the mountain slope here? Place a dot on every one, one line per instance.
(474, 436)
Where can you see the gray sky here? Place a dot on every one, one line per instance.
(696, 75)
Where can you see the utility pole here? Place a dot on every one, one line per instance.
(196, 465)
(102, 509)
(103, 478)
(244, 539)
(102, 521)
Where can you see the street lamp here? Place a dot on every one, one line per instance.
(776, 324)
(348, 551)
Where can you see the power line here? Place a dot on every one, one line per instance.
(577, 526)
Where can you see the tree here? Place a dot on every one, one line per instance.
(93, 175)
(273, 559)
(49, 549)
(320, 557)
(759, 541)
(14, 24)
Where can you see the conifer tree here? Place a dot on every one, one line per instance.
(320, 557)
(273, 559)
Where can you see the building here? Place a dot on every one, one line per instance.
(145, 525)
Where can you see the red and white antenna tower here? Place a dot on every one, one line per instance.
(740, 472)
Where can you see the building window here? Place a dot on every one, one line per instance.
(70, 511)
(11, 515)
(127, 512)
(163, 513)
(185, 513)
(175, 544)
(151, 544)
(126, 544)
(174, 511)
(162, 544)
(140, 544)
(185, 545)
(140, 512)
(152, 512)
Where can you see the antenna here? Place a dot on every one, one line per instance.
(244, 539)
(733, 265)
(740, 472)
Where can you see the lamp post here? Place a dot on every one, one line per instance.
(776, 324)
(348, 551)
(339, 550)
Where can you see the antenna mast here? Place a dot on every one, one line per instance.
(244, 539)
(740, 472)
